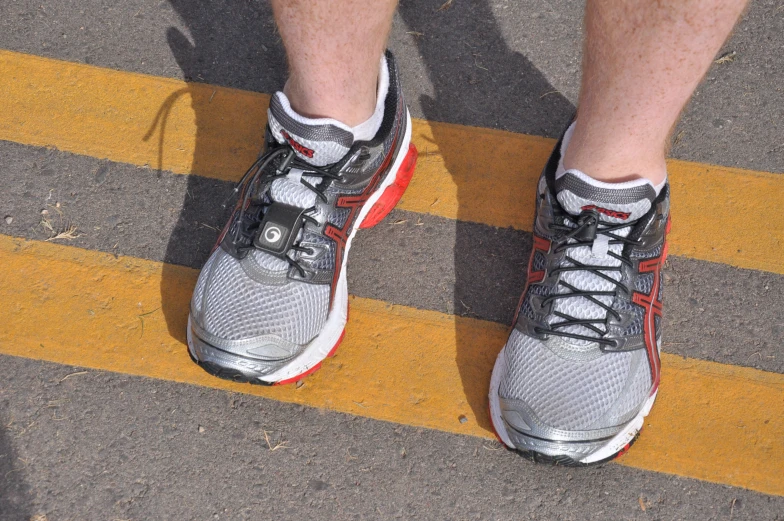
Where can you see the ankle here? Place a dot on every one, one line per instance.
(350, 108)
(611, 168)
(614, 160)
(362, 112)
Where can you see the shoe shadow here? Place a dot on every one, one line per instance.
(470, 65)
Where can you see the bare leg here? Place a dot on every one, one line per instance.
(334, 48)
(643, 59)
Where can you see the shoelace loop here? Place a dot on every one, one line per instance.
(580, 233)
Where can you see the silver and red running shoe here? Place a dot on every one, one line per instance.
(271, 302)
(580, 370)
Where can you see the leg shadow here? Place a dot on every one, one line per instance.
(471, 67)
(227, 43)
(15, 495)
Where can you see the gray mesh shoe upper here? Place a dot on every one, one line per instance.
(583, 357)
(243, 299)
(253, 300)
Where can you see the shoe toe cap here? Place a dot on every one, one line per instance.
(549, 392)
(231, 304)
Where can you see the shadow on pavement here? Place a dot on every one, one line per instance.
(470, 44)
(15, 495)
(227, 42)
(460, 46)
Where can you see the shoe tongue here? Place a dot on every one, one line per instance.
(615, 202)
(320, 141)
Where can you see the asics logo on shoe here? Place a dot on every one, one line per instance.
(273, 234)
(606, 211)
(302, 149)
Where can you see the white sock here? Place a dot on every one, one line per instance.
(305, 134)
(367, 130)
(561, 170)
(659, 186)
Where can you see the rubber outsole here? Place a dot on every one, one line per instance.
(566, 461)
(230, 374)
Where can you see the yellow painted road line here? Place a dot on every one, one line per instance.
(423, 368)
(720, 214)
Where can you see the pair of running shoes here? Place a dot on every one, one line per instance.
(580, 370)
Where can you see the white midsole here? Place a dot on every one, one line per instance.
(615, 445)
(318, 348)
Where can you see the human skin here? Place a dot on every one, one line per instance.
(642, 61)
(334, 48)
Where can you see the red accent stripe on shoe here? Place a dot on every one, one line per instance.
(393, 192)
(299, 377)
(332, 351)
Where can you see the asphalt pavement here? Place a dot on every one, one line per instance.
(85, 444)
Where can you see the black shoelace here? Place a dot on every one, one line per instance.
(574, 233)
(255, 184)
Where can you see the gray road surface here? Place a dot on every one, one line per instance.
(107, 446)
